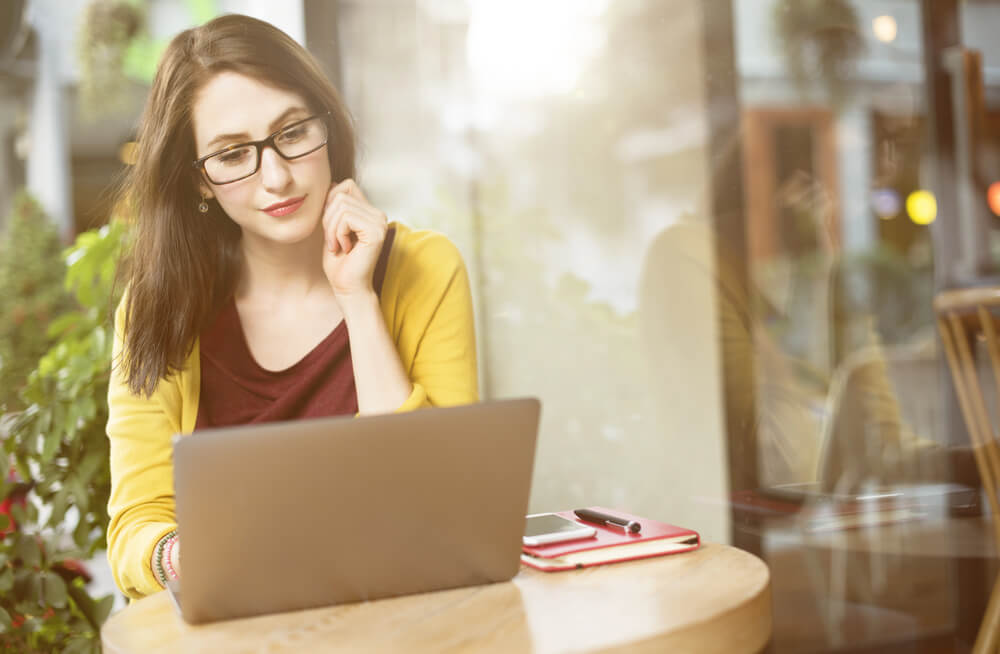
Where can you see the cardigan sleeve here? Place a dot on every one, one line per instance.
(141, 505)
(436, 324)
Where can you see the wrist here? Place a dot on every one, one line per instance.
(159, 562)
(356, 304)
(170, 560)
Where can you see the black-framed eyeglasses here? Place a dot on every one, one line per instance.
(239, 161)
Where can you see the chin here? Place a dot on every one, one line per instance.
(290, 236)
(287, 234)
(291, 229)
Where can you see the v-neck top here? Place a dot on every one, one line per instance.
(236, 390)
(426, 301)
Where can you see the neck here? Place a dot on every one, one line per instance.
(274, 272)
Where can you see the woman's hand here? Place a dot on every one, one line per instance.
(354, 232)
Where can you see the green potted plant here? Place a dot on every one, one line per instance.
(59, 448)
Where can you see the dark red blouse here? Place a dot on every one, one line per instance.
(235, 390)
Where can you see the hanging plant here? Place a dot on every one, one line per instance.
(107, 29)
(820, 40)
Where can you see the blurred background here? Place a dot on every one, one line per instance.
(706, 233)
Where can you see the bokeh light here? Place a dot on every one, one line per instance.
(523, 49)
(993, 197)
(922, 207)
(885, 28)
(886, 203)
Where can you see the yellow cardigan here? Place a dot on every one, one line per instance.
(427, 305)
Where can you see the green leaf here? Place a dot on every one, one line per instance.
(33, 589)
(64, 324)
(71, 421)
(28, 551)
(88, 407)
(55, 590)
(6, 580)
(50, 445)
(89, 465)
(4, 522)
(95, 612)
(21, 577)
(76, 489)
(103, 610)
(19, 514)
(43, 421)
(141, 57)
(5, 620)
(78, 645)
(100, 337)
(59, 506)
(81, 535)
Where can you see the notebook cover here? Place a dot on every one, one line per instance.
(610, 537)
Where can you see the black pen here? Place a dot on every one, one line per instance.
(599, 518)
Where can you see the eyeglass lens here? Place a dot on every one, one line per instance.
(294, 141)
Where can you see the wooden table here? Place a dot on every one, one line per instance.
(715, 599)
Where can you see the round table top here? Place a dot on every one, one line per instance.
(714, 599)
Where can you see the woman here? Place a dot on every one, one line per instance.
(261, 284)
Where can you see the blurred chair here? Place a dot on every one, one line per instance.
(867, 444)
(966, 317)
(882, 420)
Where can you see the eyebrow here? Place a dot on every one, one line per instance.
(285, 115)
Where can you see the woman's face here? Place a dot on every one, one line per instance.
(231, 109)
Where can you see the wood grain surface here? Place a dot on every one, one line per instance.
(715, 599)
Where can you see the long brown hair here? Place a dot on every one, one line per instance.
(182, 264)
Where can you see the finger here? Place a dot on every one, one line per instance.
(329, 219)
(375, 218)
(345, 230)
(350, 187)
(359, 228)
(332, 217)
(362, 207)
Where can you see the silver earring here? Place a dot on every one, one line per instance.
(203, 207)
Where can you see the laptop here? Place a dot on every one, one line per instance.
(293, 515)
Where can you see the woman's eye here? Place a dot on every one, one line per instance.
(292, 134)
(234, 156)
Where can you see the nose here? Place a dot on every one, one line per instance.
(274, 172)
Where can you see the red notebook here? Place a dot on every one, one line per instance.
(610, 544)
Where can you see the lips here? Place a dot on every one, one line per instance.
(284, 208)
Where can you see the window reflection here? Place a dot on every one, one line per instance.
(571, 162)
(572, 159)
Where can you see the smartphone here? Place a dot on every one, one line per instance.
(546, 528)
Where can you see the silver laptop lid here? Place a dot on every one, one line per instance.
(286, 516)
